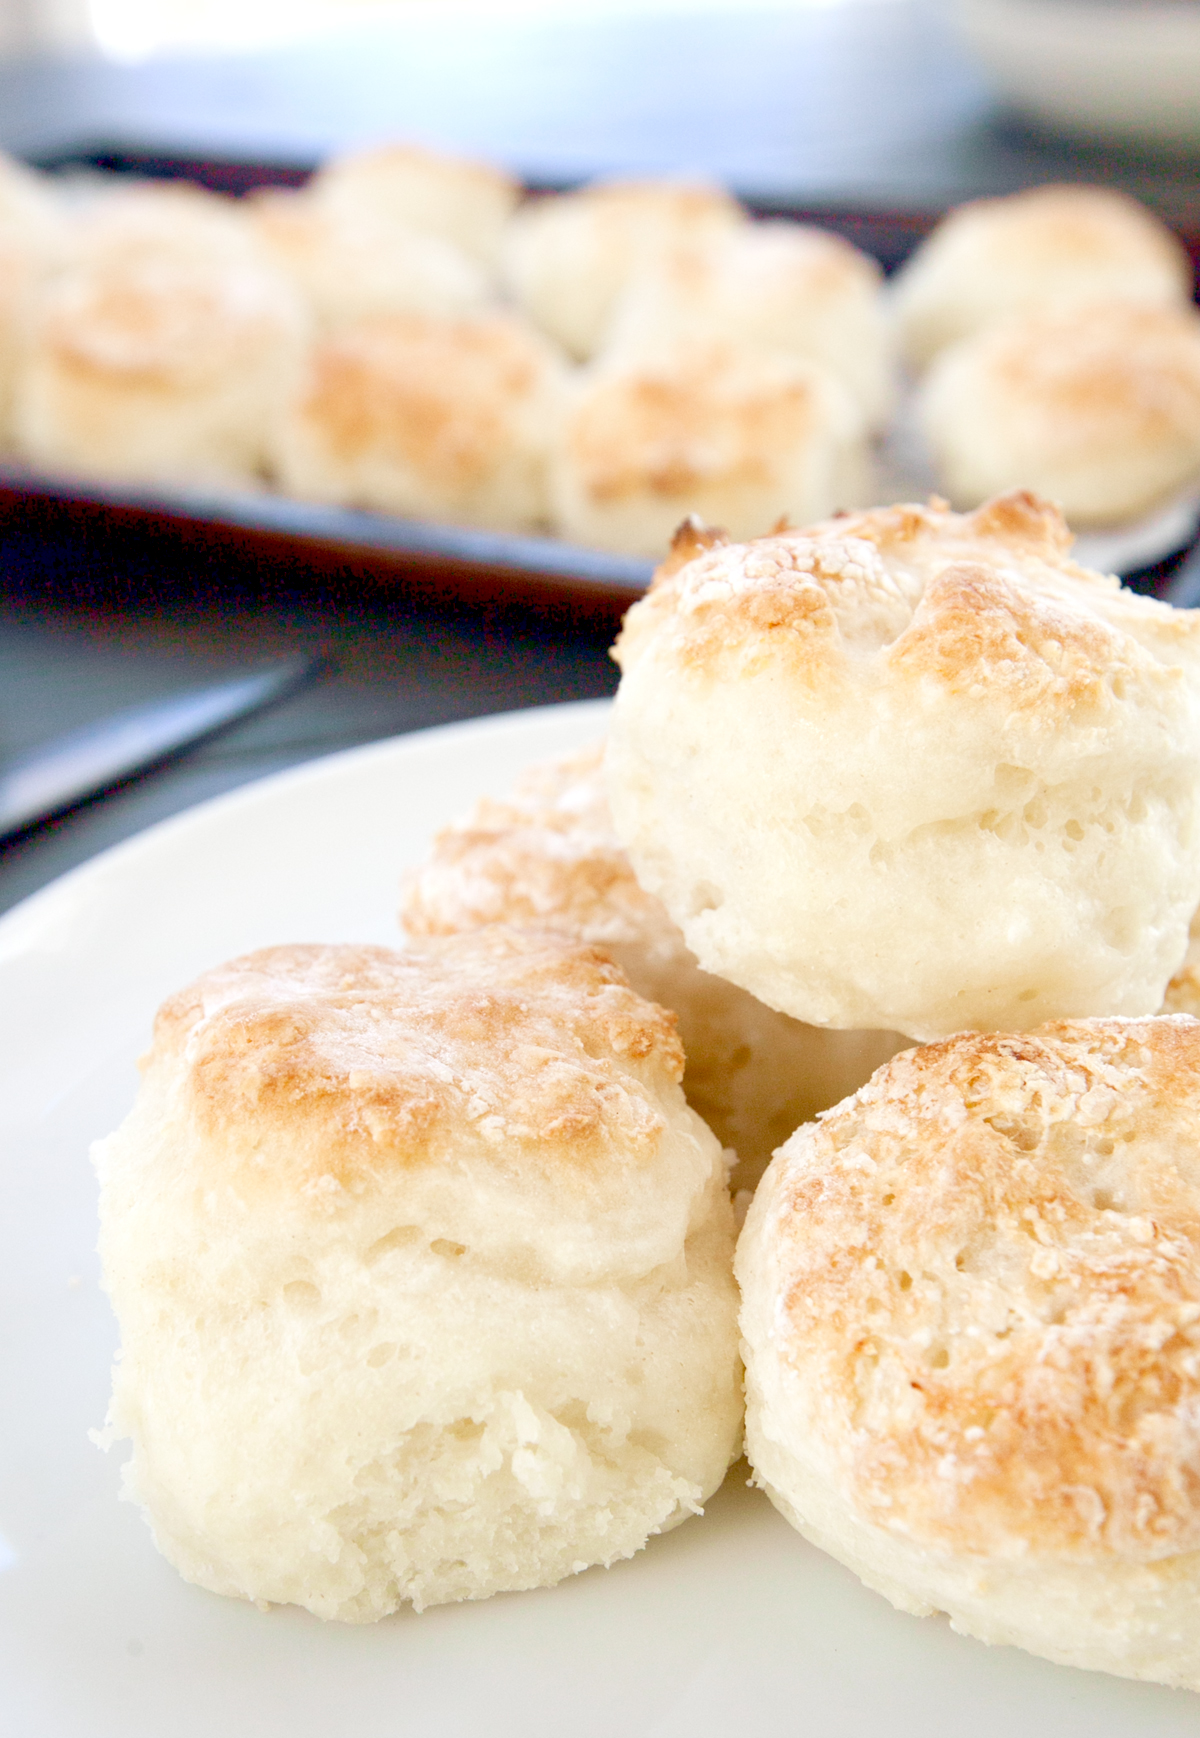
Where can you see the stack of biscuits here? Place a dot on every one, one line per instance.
(409, 333)
(425, 1260)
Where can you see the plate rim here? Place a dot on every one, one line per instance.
(28, 910)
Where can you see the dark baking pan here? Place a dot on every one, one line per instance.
(418, 557)
(424, 559)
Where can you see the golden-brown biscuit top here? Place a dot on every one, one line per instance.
(511, 1046)
(434, 394)
(630, 201)
(152, 219)
(164, 320)
(1120, 366)
(408, 170)
(709, 411)
(989, 1280)
(987, 602)
(1062, 225)
(546, 856)
(1054, 246)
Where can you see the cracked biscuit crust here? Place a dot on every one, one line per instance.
(906, 580)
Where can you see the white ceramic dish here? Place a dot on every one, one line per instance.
(1108, 70)
(730, 1624)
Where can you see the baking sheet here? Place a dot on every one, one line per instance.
(454, 561)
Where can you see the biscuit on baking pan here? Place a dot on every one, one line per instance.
(915, 770)
(783, 287)
(423, 1272)
(32, 240)
(1046, 247)
(28, 204)
(1099, 408)
(350, 263)
(123, 221)
(437, 418)
(155, 363)
(741, 439)
(24, 190)
(971, 1326)
(547, 856)
(460, 200)
(566, 259)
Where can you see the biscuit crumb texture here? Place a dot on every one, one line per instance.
(423, 1271)
(914, 770)
(971, 1324)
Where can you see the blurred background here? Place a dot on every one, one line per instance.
(872, 117)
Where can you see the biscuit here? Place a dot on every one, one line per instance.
(1099, 408)
(915, 770)
(457, 199)
(159, 363)
(566, 259)
(423, 1272)
(786, 288)
(436, 418)
(350, 264)
(971, 1326)
(24, 192)
(547, 856)
(1045, 248)
(32, 239)
(738, 438)
(123, 222)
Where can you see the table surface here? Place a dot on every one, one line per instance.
(859, 105)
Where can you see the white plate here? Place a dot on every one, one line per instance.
(730, 1624)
